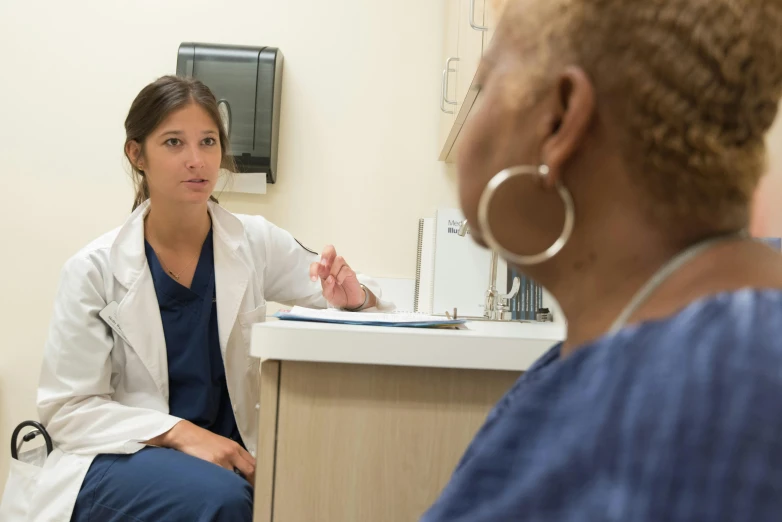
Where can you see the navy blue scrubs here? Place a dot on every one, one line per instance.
(160, 483)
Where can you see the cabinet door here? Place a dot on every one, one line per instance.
(471, 30)
(448, 103)
(367, 443)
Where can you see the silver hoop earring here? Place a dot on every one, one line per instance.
(483, 216)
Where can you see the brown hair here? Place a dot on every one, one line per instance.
(153, 105)
(694, 83)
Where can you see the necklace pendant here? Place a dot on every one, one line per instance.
(172, 274)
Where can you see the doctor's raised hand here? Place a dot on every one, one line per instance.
(341, 287)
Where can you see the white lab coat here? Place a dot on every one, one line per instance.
(100, 394)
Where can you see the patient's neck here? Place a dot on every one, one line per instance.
(592, 295)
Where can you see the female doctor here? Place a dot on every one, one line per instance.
(148, 389)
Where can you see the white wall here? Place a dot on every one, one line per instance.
(357, 152)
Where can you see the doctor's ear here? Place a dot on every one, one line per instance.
(133, 153)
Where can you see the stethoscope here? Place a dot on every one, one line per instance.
(39, 430)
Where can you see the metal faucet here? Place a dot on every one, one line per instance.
(496, 305)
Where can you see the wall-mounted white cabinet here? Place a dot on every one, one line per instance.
(470, 27)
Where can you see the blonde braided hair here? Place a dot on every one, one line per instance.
(694, 83)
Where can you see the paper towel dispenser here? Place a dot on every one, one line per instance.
(247, 82)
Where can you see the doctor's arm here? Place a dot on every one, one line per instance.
(75, 390)
(287, 275)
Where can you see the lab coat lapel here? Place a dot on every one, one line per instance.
(231, 273)
(138, 313)
(139, 317)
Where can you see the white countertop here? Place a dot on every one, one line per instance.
(483, 346)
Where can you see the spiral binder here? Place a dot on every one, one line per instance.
(417, 291)
(424, 267)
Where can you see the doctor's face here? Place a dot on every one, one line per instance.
(181, 157)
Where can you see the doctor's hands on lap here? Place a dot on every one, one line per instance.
(205, 445)
(339, 282)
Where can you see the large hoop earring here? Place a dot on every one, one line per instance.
(483, 216)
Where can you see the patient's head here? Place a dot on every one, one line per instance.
(652, 113)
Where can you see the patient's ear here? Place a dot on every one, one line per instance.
(572, 110)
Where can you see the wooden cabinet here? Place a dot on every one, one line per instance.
(364, 424)
(473, 22)
(364, 443)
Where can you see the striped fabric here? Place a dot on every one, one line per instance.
(667, 421)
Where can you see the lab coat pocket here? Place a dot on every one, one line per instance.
(22, 481)
(248, 319)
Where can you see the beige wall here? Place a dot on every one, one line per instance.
(357, 153)
(768, 203)
(358, 138)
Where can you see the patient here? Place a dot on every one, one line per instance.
(612, 157)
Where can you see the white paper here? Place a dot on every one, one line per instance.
(368, 317)
(245, 182)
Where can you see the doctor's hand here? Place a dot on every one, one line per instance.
(205, 445)
(339, 282)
